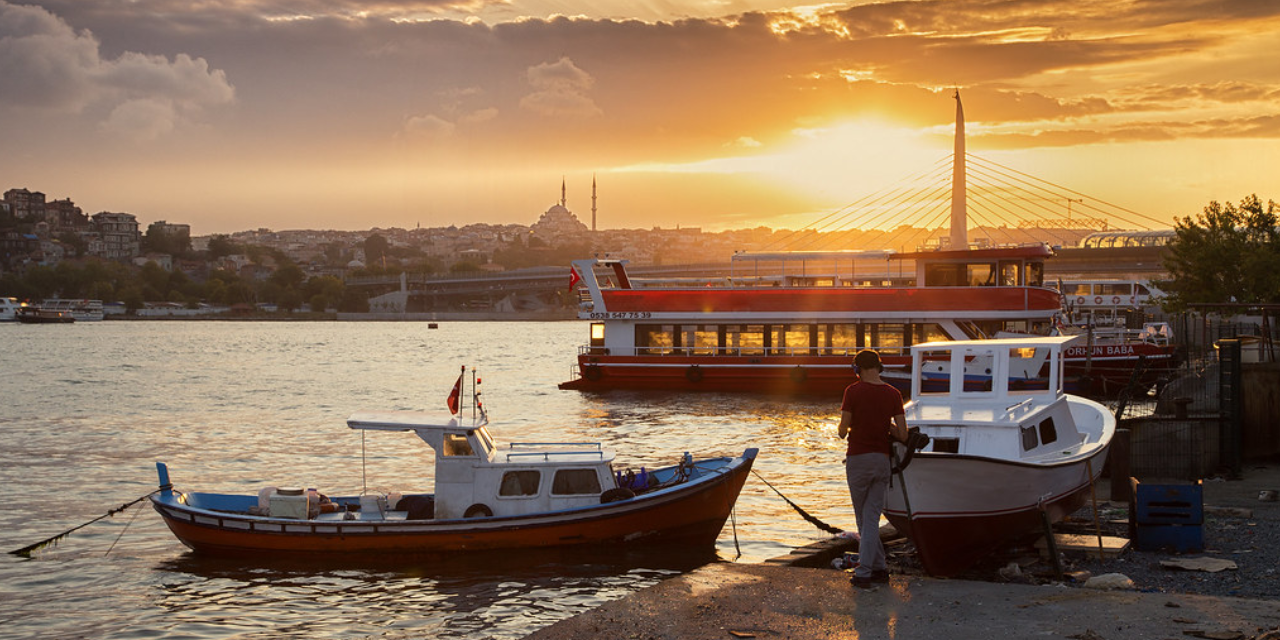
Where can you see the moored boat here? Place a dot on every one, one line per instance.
(9, 309)
(39, 315)
(82, 310)
(1000, 461)
(523, 496)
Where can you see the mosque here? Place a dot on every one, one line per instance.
(559, 222)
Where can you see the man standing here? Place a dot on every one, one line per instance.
(872, 417)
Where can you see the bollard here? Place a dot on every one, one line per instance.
(1118, 462)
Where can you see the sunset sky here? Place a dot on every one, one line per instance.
(353, 114)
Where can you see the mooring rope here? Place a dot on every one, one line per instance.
(26, 551)
(803, 514)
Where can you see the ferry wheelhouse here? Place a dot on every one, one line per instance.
(792, 322)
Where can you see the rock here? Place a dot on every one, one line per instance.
(1109, 581)
(1210, 565)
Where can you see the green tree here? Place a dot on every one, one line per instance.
(221, 246)
(1227, 255)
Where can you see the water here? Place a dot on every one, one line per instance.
(89, 408)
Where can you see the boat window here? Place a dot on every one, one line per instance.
(520, 483)
(888, 338)
(980, 275)
(1035, 274)
(597, 334)
(702, 339)
(844, 339)
(455, 444)
(1029, 441)
(1141, 290)
(575, 482)
(1009, 274)
(946, 445)
(942, 275)
(747, 340)
(929, 332)
(1077, 289)
(654, 339)
(795, 339)
(1048, 432)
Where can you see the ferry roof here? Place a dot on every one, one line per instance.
(995, 253)
(1009, 343)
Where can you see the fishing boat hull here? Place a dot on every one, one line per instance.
(691, 513)
(958, 509)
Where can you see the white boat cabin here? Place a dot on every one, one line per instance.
(474, 478)
(981, 419)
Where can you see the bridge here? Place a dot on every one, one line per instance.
(547, 288)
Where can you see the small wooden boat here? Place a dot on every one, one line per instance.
(526, 495)
(1000, 461)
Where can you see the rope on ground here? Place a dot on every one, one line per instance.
(803, 514)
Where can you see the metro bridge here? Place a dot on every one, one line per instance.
(547, 288)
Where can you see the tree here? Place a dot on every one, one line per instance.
(221, 246)
(1226, 255)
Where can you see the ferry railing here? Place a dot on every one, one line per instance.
(588, 350)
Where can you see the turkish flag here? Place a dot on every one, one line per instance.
(455, 394)
(574, 278)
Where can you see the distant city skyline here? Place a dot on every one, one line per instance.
(354, 115)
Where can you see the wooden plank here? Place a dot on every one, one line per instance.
(1111, 545)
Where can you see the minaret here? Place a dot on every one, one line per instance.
(959, 212)
(562, 199)
(593, 203)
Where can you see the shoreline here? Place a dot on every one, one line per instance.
(447, 316)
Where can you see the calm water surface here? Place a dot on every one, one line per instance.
(232, 407)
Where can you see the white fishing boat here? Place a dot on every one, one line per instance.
(1002, 459)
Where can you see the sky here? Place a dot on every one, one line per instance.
(722, 114)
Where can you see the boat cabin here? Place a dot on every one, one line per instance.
(475, 478)
(961, 417)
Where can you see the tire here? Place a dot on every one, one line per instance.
(617, 494)
(478, 511)
(592, 372)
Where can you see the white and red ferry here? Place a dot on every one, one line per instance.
(794, 323)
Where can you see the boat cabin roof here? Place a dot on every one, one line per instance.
(998, 355)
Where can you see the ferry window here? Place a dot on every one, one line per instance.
(1115, 289)
(747, 340)
(1029, 438)
(821, 339)
(795, 339)
(455, 444)
(597, 334)
(1048, 432)
(702, 339)
(1009, 274)
(1076, 289)
(928, 332)
(888, 338)
(573, 482)
(980, 275)
(520, 483)
(654, 339)
(1141, 290)
(942, 275)
(844, 339)
(1035, 274)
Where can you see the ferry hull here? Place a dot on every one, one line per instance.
(691, 514)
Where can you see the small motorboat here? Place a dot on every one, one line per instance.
(1001, 460)
(522, 496)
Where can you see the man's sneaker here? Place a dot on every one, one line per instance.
(862, 583)
(880, 575)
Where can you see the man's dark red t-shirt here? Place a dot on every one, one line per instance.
(872, 407)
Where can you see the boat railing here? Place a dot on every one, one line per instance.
(751, 351)
(588, 449)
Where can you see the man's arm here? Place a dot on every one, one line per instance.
(898, 429)
(845, 419)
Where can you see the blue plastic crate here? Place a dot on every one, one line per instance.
(1178, 537)
(1181, 504)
